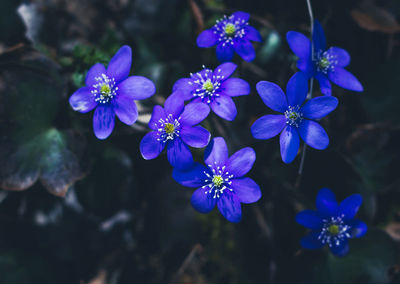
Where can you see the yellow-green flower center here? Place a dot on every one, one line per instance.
(217, 180)
(293, 115)
(230, 29)
(324, 63)
(208, 86)
(333, 229)
(169, 128)
(105, 90)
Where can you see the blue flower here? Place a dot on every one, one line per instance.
(214, 88)
(231, 34)
(326, 65)
(112, 93)
(221, 183)
(174, 128)
(332, 224)
(295, 119)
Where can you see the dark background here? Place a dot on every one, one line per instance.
(124, 219)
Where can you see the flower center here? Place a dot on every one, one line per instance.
(168, 128)
(218, 181)
(334, 231)
(230, 29)
(325, 62)
(104, 89)
(208, 86)
(293, 116)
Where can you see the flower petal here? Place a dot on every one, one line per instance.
(207, 38)
(94, 72)
(310, 219)
(229, 206)
(179, 155)
(324, 84)
(299, 44)
(120, 65)
(185, 86)
(246, 190)
(252, 34)
(272, 96)
(103, 121)
(239, 15)
(358, 228)
(224, 52)
(350, 206)
(235, 87)
(203, 201)
(313, 134)
(225, 70)
(194, 113)
(158, 113)
(342, 249)
(197, 136)
(83, 100)
(345, 79)
(268, 126)
(216, 152)
(297, 88)
(245, 49)
(290, 142)
(341, 56)
(174, 105)
(150, 147)
(305, 65)
(192, 177)
(125, 108)
(319, 107)
(318, 36)
(326, 203)
(224, 107)
(137, 88)
(311, 241)
(241, 162)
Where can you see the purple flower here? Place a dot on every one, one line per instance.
(231, 34)
(326, 65)
(222, 181)
(174, 128)
(214, 88)
(295, 119)
(112, 93)
(332, 224)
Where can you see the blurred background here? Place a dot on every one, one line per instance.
(74, 209)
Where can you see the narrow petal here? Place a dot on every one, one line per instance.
(216, 152)
(326, 203)
(342, 249)
(197, 136)
(324, 84)
(241, 162)
(103, 121)
(179, 155)
(203, 201)
(358, 228)
(194, 113)
(319, 39)
(310, 219)
(313, 134)
(297, 88)
(225, 70)
(94, 72)
(350, 206)
(229, 206)
(246, 190)
(82, 100)
(185, 86)
(311, 241)
(224, 107)
(120, 65)
(191, 177)
(290, 142)
(174, 105)
(150, 147)
(224, 52)
(268, 126)
(239, 15)
(125, 108)
(319, 107)
(207, 38)
(235, 87)
(299, 44)
(245, 49)
(341, 56)
(272, 96)
(137, 88)
(252, 34)
(345, 79)
(158, 113)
